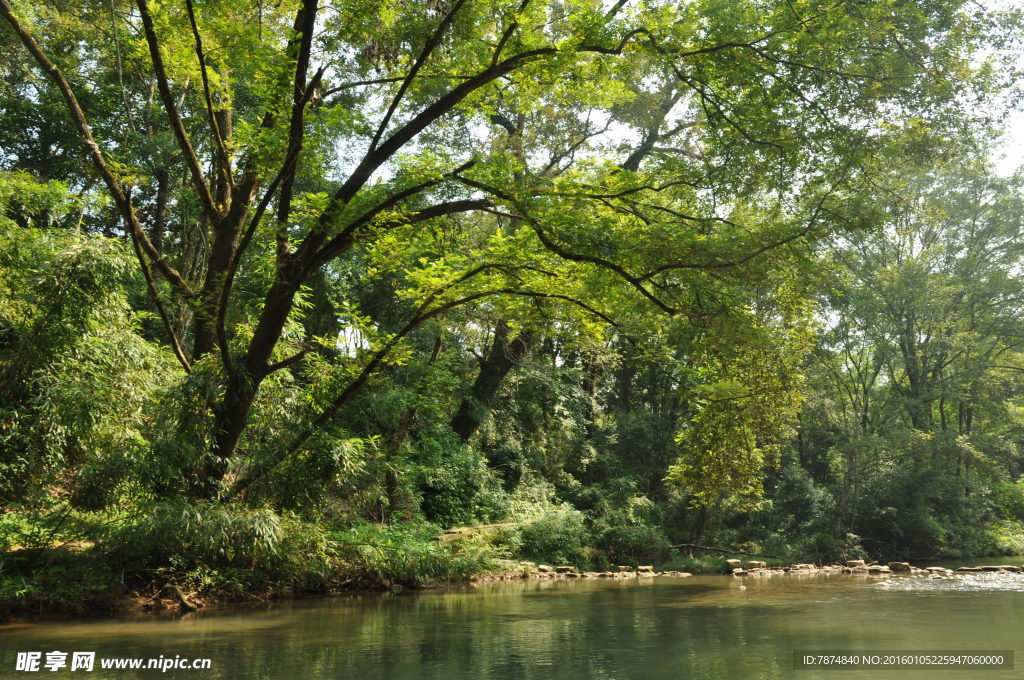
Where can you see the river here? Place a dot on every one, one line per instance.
(712, 627)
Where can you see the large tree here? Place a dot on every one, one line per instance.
(646, 166)
(918, 365)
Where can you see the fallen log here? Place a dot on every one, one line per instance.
(183, 600)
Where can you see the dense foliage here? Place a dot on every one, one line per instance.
(286, 289)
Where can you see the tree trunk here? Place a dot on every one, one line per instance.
(503, 356)
(231, 414)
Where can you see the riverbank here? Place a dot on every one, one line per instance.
(82, 579)
(73, 581)
(201, 556)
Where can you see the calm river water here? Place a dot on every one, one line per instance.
(593, 629)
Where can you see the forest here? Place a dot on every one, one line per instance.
(290, 289)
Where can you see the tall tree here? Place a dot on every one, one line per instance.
(920, 357)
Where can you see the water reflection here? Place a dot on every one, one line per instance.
(703, 627)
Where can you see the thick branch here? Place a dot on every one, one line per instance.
(429, 47)
(177, 126)
(728, 263)
(633, 281)
(342, 242)
(305, 23)
(376, 157)
(218, 136)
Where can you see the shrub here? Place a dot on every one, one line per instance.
(634, 544)
(451, 477)
(66, 581)
(407, 555)
(558, 536)
(187, 537)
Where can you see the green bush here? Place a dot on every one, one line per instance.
(407, 555)
(14, 528)
(451, 479)
(558, 536)
(64, 582)
(1008, 537)
(77, 377)
(634, 544)
(49, 526)
(185, 537)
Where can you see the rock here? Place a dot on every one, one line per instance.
(738, 572)
(571, 574)
(733, 564)
(965, 570)
(1012, 568)
(543, 568)
(755, 564)
(805, 567)
(623, 567)
(992, 567)
(855, 563)
(606, 574)
(684, 574)
(879, 569)
(900, 566)
(565, 570)
(646, 569)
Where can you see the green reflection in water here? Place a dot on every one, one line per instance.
(697, 628)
